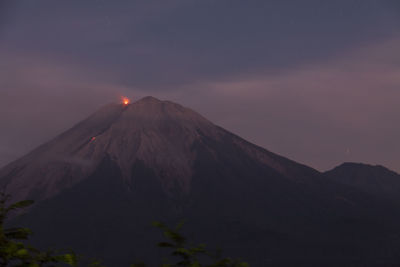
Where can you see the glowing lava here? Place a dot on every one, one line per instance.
(126, 101)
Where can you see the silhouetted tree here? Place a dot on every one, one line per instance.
(15, 252)
(190, 256)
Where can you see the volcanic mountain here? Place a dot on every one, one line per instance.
(160, 135)
(99, 185)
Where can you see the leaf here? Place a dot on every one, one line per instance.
(179, 226)
(20, 205)
(70, 259)
(95, 263)
(21, 253)
(174, 236)
(17, 233)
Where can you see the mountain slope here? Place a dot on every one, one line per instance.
(100, 184)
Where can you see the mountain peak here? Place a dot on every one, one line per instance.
(157, 133)
(361, 166)
(373, 179)
(150, 110)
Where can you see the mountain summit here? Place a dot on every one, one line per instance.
(375, 180)
(148, 130)
(100, 184)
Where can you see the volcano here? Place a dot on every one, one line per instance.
(99, 185)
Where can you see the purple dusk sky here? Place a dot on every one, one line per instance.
(315, 81)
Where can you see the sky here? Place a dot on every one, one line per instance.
(315, 81)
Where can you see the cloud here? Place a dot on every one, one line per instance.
(319, 113)
(164, 44)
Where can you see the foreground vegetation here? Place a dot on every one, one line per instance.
(15, 250)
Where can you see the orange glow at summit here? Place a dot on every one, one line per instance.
(126, 101)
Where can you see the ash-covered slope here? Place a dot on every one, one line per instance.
(59, 163)
(101, 183)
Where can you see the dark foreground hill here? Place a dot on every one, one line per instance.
(101, 183)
